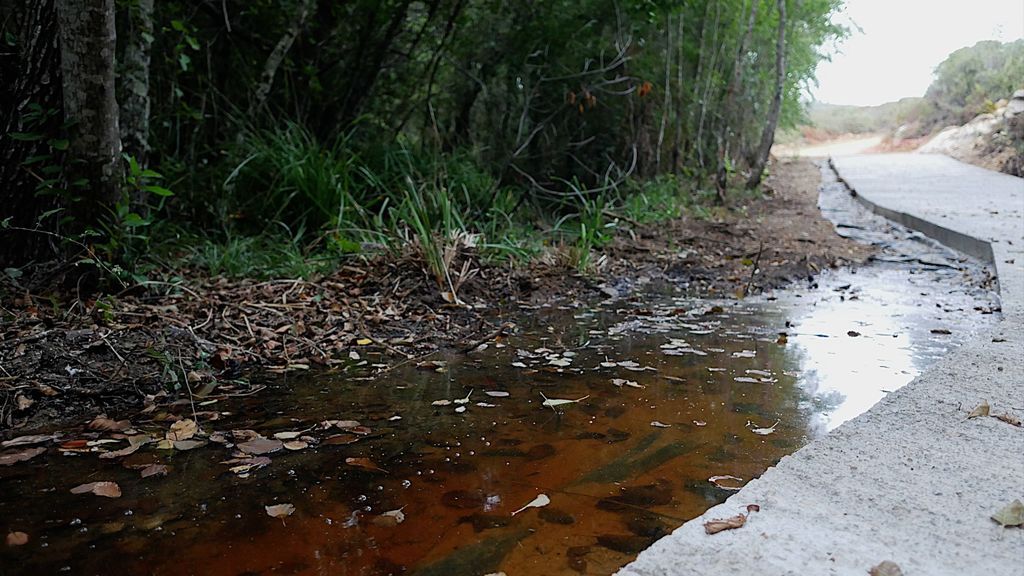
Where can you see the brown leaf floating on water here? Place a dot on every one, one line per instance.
(28, 454)
(260, 446)
(720, 524)
(105, 489)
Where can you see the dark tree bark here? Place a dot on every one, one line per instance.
(30, 102)
(88, 40)
(768, 134)
(134, 99)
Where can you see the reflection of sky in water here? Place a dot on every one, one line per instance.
(845, 375)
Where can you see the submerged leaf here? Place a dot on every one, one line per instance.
(17, 539)
(364, 463)
(540, 501)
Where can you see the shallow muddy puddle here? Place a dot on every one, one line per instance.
(657, 407)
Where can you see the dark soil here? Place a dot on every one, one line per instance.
(216, 337)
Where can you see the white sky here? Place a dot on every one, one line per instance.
(904, 40)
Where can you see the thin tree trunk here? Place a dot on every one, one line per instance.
(277, 55)
(34, 80)
(88, 39)
(728, 111)
(135, 103)
(768, 135)
(678, 140)
(667, 102)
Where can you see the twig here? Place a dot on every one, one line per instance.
(490, 336)
(188, 386)
(753, 271)
(390, 348)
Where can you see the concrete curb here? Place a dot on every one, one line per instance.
(911, 480)
(969, 245)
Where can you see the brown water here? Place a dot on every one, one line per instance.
(621, 467)
(615, 481)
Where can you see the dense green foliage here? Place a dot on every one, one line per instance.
(970, 80)
(331, 125)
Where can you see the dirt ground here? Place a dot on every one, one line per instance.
(163, 343)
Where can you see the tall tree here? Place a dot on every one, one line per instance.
(768, 133)
(135, 105)
(88, 42)
(29, 118)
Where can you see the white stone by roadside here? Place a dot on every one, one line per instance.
(911, 480)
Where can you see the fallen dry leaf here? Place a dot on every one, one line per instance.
(1011, 515)
(280, 510)
(27, 454)
(154, 470)
(364, 463)
(184, 445)
(1009, 419)
(718, 525)
(296, 445)
(17, 539)
(134, 443)
(182, 430)
(260, 446)
(103, 424)
(26, 440)
(981, 410)
(105, 489)
(886, 568)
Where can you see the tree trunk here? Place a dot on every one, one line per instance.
(34, 81)
(768, 135)
(88, 40)
(728, 108)
(277, 55)
(134, 118)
